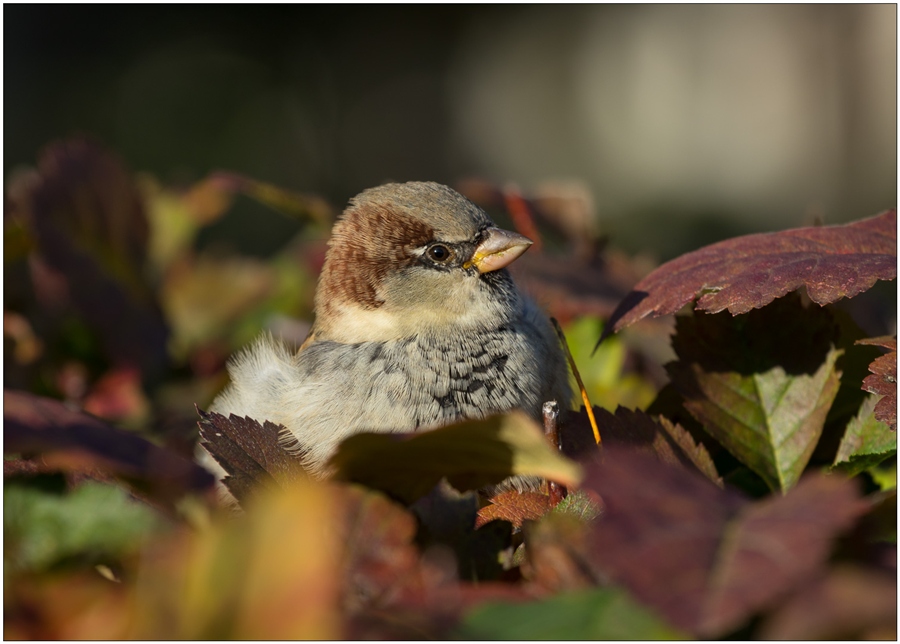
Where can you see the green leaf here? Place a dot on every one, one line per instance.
(471, 455)
(602, 614)
(606, 380)
(884, 476)
(581, 505)
(867, 441)
(96, 521)
(761, 384)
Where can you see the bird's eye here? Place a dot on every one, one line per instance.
(440, 253)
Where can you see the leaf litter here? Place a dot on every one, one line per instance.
(342, 559)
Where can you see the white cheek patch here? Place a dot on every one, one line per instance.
(455, 305)
(352, 324)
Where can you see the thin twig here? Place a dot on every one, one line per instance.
(550, 410)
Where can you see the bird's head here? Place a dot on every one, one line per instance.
(414, 258)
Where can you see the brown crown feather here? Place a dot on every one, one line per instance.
(370, 240)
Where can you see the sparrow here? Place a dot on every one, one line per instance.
(418, 324)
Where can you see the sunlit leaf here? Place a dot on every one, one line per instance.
(514, 507)
(274, 574)
(471, 455)
(581, 504)
(867, 441)
(748, 272)
(885, 477)
(883, 380)
(607, 383)
(205, 298)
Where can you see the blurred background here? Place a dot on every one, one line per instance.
(682, 124)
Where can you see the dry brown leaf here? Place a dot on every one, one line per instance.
(515, 507)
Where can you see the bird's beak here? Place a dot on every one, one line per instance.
(498, 249)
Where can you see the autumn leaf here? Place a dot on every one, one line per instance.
(249, 452)
(433, 611)
(693, 451)
(79, 605)
(90, 232)
(272, 574)
(515, 507)
(122, 282)
(33, 425)
(379, 562)
(867, 441)
(470, 454)
(760, 384)
(748, 272)
(883, 380)
(584, 505)
(670, 442)
(848, 603)
(209, 296)
(557, 553)
(707, 559)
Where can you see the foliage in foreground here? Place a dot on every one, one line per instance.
(751, 494)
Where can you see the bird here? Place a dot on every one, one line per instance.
(418, 324)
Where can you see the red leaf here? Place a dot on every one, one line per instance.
(248, 451)
(87, 219)
(558, 554)
(707, 559)
(36, 425)
(850, 603)
(883, 380)
(515, 507)
(774, 543)
(117, 396)
(668, 441)
(380, 560)
(748, 272)
(390, 590)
